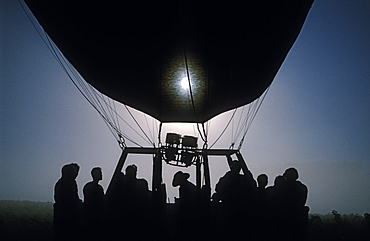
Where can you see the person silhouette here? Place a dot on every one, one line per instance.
(135, 204)
(67, 206)
(136, 191)
(187, 190)
(185, 205)
(93, 205)
(261, 216)
(296, 191)
(295, 200)
(262, 200)
(276, 209)
(234, 189)
(235, 198)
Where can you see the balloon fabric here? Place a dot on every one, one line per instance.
(178, 61)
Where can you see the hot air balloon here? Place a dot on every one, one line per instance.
(177, 61)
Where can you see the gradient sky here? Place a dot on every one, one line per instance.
(316, 116)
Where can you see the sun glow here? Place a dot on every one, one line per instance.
(185, 83)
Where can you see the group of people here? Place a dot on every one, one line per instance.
(69, 210)
(245, 207)
(277, 212)
(239, 201)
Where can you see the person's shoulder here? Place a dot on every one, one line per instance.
(300, 184)
(88, 185)
(142, 181)
(58, 182)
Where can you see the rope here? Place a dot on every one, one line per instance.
(254, 115)
(103, 105)
(188, 75)
(137, 123)
(223, 131)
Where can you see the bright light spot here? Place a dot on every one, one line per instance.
(180, 128)
(185, 83)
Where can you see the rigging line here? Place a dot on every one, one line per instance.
(94, 96)
(34, 25)
(49, 44)
(112, 111)
(99, 98)
(109, 124)
(110, 107)
(232, 116)
(246, 118)
(74, 82)
(109, 111)
(204, 138)
(249, 117)
(234, 133)
(159, 133)
(78, 78)
(208, 126)
(254, 115)
(154, 126)
(115, 110)
(200, 133)
(98, 95)
(205, 133)
(124, 121)
(137, 123)
(188, 75)
(206, 129)
(130, 139)
(149, 129)
(90, 93)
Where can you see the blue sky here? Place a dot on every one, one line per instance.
(315, 117)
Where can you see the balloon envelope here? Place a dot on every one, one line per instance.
(178, 61)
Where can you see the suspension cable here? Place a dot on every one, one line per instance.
(260, 100)
(223, 131)
(137, 123)
(94, 98)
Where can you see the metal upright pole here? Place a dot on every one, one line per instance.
(118, 169)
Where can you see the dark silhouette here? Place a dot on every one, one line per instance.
(239, 209)
(187, 190)
(135, 204)
(136, 191)
(93, 206)
(276, 209)
(234, 189)
(276, 194)
(262, 210)
(296, 191)
(288, 213)
(262, 181)
(67, 206)
(235, 199)
(295, 200)
(185, 206)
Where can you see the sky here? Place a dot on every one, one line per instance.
(315, 117)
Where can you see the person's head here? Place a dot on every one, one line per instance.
(70, 171)
(96, 174)
(67, 171)
(279, 181)
(131, 171)
(291, 174)
(179, 178)
(76, 169)
(262, 180)
(235, 166)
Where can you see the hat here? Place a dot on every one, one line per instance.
(179, 177)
